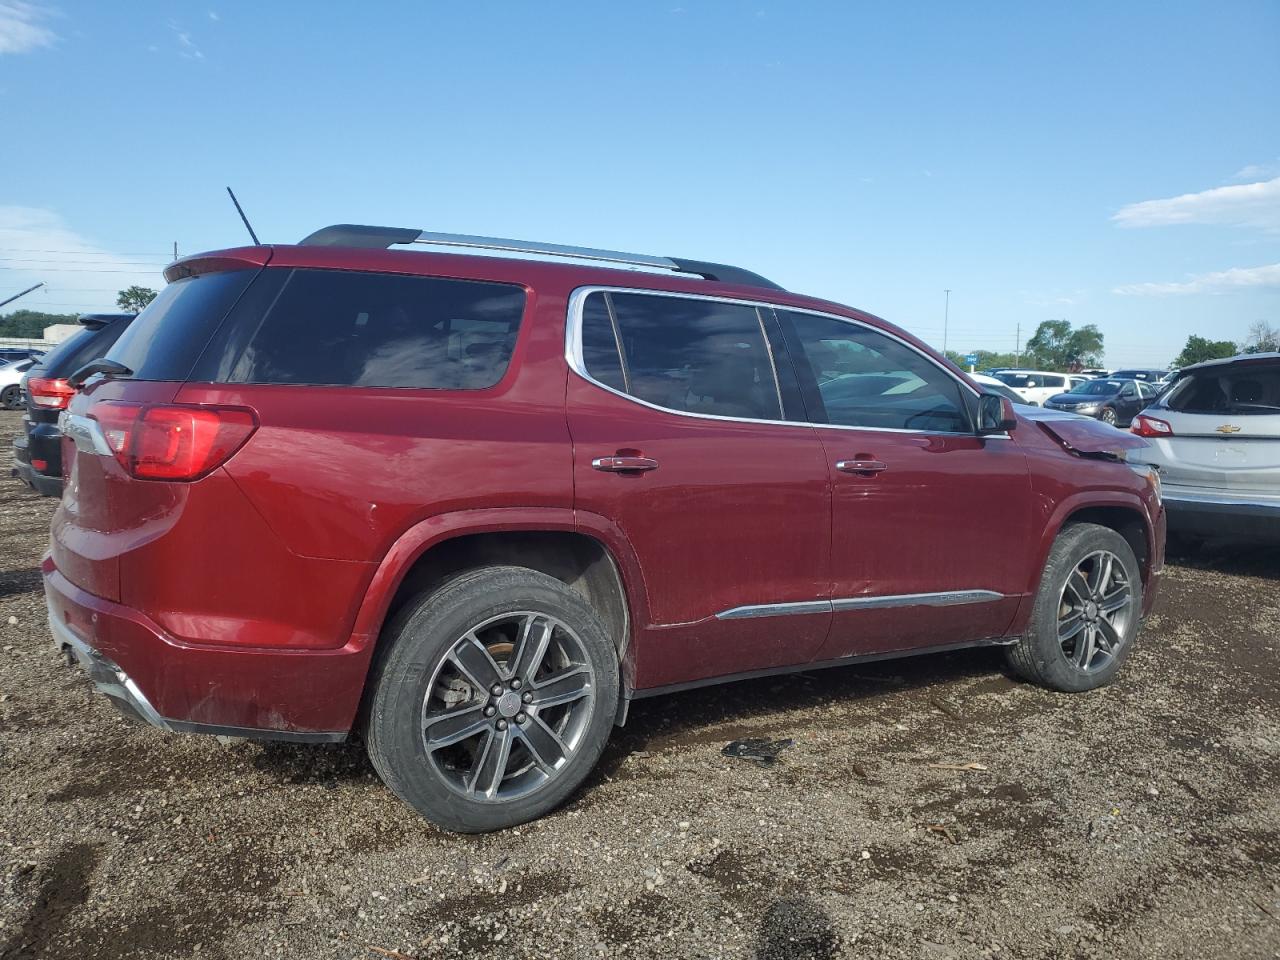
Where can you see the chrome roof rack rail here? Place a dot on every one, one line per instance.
(357, 235)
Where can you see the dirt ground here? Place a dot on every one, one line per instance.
(1138, 821)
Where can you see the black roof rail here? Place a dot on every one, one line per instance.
(367, 237)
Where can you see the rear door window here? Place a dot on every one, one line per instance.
(695, 356)
(867, 379)
(347, 328)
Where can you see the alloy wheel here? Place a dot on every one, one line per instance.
(1095, 612)
(507, 706)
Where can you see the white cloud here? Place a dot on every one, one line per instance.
(1223, 281)
(213, 15)
(188, 49)
(21, 29)
(80, 276)
(1257, 171)
(1240, 205)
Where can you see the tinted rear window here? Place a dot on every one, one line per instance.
(345, 328)
(81, 347)
(167, 337)
(1238, 389)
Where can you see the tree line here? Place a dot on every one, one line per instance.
(30, 324)
(1056, 345)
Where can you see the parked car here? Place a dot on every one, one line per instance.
(11, 382)
(1148, 376)
(37, 450)
(1037, 386)
(1094, 373)
(476, 505)
(991, 384)
(1111, 400)
(1215, 437)
(10, 354)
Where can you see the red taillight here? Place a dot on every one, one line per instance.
(50, 394)
(1145, 426)
(173, 441)
(38, 464)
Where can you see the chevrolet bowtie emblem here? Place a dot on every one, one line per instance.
(1228, 428)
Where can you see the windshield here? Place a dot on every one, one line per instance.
(1241, 388)
(1097, 388)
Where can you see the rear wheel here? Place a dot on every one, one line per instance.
(9, 396)
(1086, 613)
(494, 699)
(1108, 416)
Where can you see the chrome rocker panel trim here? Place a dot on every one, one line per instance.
(947, 598)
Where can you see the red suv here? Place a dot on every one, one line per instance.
(473, 505)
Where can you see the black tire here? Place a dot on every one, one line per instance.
(424, 642)
(9, 396)
(1108, 415)
(1041, 656)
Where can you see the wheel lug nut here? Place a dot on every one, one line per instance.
(528, 696)
(502, 724)
(515, 684)
(521, 718)
(496, 689)
(490, 710)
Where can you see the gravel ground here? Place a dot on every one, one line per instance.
(1138, 821)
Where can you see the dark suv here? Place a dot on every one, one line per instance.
(37, 451)
(473, 506)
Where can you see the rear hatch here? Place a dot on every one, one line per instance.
(106, 512)
(1218, 428)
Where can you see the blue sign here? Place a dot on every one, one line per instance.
(970, 358)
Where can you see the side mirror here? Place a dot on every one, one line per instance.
(995, 414)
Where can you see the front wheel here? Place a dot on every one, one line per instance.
(1086, 614)
(1108, 416)
(494, 699)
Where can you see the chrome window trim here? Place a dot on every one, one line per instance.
(945, 598)
(573, 356)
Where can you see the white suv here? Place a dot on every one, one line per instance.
(1037, 386)
(1215, 437)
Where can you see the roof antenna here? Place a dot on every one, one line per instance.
(240, 211)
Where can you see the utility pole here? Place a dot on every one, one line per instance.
(22, 294)
(1017, 345)
(175, 249)
(946, 315)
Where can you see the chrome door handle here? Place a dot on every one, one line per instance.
(861, 466)
(624, 464)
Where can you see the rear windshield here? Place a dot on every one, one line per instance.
(1251, 387)
(167, 337)
(79, 348)
(1097, 388)
(347, 328)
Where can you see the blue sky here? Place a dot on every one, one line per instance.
(1116, 164)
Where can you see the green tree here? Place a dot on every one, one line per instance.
(987, 359)
(135, 298)
(30, 324)
(1199, 349)
(1263, 338)
(1056, 345)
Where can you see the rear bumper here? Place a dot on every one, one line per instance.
(40, 441)
(45, 486)
(309, 696)
(1216, 515)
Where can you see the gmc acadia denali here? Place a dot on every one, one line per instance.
(471, 505)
